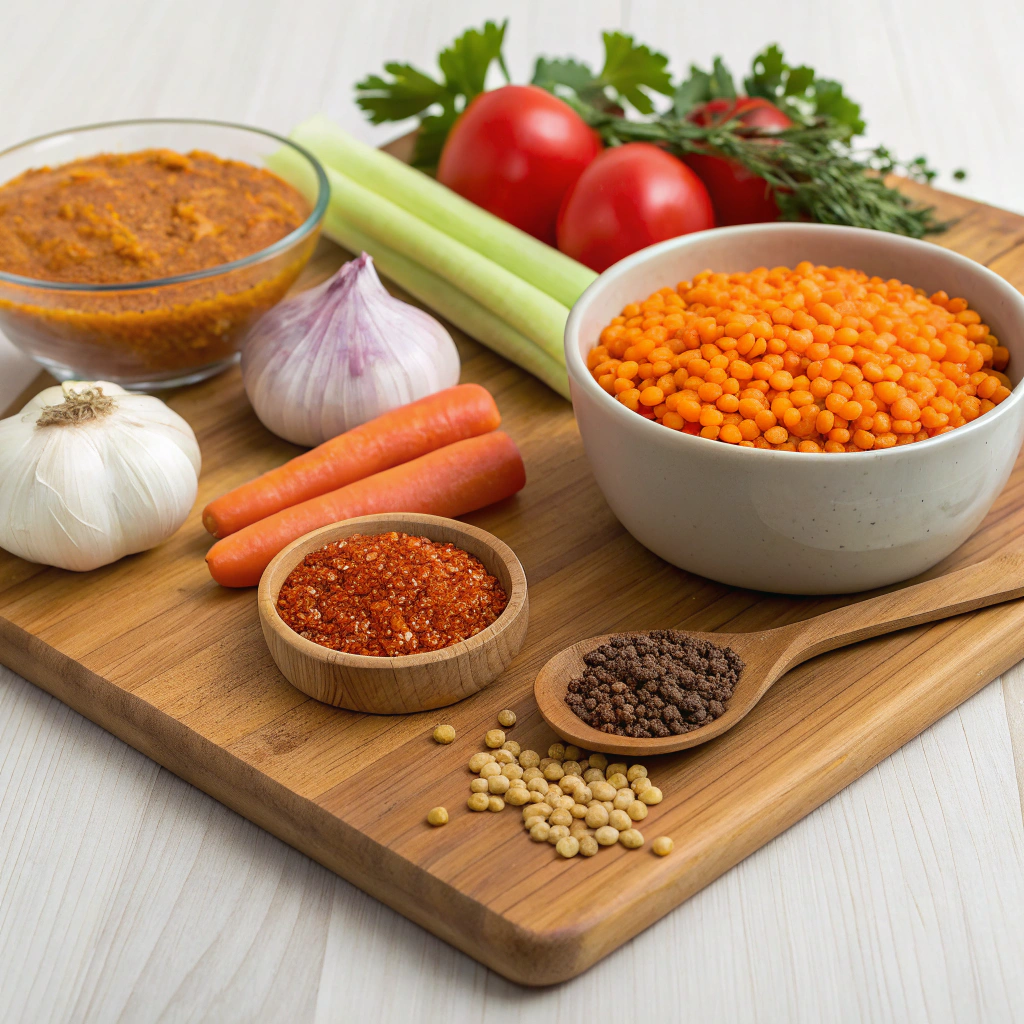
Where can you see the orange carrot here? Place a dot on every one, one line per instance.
(450, 481)
(408, 432)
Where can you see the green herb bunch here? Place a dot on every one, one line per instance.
(815, 169)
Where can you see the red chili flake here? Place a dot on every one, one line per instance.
(389, 595)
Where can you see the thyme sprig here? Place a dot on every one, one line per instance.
(815, 169)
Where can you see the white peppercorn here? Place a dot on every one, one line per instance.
(529, 758)
(553, 772)
(618, 768)
(636, 771)
(557, 832)
(618, 781)
(637, 810)
(557, 751)
(588, 846)
(631, 839)
(439, 815)
(477, 802)
(662, 846)
(651, 796)
(506, 718)
(489, 769)
(567, 846)
(640, 784)
(540, 831)
(578, 810)
(503, 756)
(598, 761)
(623, 799)
(606, 835)
(537, 785)
(478, 786)
(593, 775)
(512, 747)
(495, 803)
(596, 816)
(532, 773)
(444, 734)
(619, 820)
(512, 771)
(572, 768)
(498, 785)
(572, 753)
(602, 791)
(477, 761)
(517, 797)
(494, 738)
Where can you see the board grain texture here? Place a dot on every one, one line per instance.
(152, 650)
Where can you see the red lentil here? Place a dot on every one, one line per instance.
(389, 595)
(813, 359)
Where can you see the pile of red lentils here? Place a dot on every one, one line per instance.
(810, 359)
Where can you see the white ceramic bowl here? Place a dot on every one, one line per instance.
(792, 522)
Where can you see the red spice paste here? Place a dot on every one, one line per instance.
(118, 218)
(389, 595)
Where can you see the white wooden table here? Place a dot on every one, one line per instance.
(127, 895)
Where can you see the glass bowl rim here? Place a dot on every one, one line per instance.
(304, 229)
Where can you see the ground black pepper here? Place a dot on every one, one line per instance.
(661, 683)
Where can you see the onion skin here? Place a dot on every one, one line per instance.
(335, 356)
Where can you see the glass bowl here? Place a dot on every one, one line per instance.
(171, 330)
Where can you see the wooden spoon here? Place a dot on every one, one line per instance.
(770, 653)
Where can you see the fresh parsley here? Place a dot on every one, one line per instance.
(813, 168)
(410, 92)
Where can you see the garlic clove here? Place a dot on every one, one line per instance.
(340, 354)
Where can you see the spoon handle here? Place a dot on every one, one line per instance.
(991, 581)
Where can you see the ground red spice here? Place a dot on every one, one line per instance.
(389, 595)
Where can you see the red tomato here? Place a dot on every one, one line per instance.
(516, 151)
(630, 197)
(738, 196)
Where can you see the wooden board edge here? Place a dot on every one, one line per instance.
(529, 957)
(301, 822)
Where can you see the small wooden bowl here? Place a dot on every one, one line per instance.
(414, 682)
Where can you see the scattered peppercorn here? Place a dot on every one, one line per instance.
(571, 800)
(661, 683)
(437, 816)
(389, 595)
(506, 718)
(662, 846)
(444, 734)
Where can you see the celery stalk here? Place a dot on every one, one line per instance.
(523, 307)
(525, 256)
(446, 300)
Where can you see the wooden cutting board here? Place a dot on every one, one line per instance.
(152, 650)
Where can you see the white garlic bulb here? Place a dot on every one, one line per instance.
(337, 355)
(90, 472)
